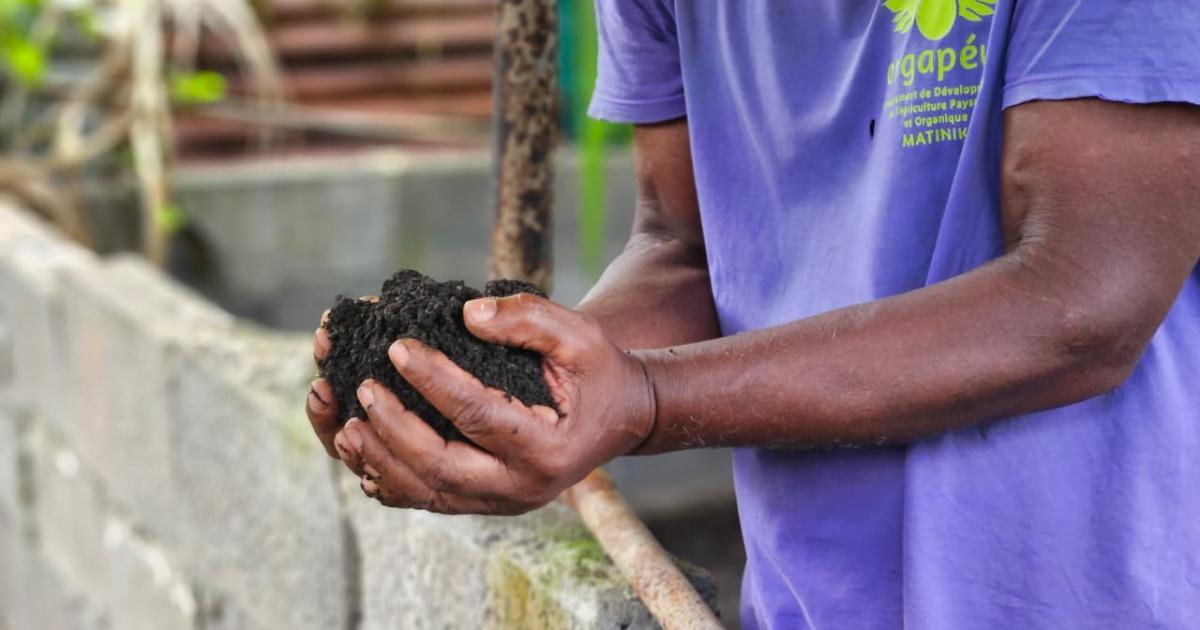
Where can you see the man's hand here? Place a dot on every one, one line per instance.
(321, 406)
(655, 294)
(520, 457)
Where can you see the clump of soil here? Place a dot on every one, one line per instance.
(413, 306)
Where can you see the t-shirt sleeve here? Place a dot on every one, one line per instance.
(1132, 51)
(638, 77)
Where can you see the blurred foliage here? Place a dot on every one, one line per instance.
(137, 81)
(91, 87)
(171, 218)
(198, 88)
(593, 173)
(24, 58)
(592, 137)
(26, 36)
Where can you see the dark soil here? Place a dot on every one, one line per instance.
(413, 306)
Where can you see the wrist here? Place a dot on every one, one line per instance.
(650, 416)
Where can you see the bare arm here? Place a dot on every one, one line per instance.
(1101, 208)
(656, 293)
(1101, 211)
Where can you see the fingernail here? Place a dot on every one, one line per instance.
(312, 389)
(339, 443)
(351, 431)
(370, 470)
(366, 397)
(369, 487)
(481, 311)
(399, 354)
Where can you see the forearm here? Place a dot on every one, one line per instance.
(655, 294)
(995, 342)
(1098, 208)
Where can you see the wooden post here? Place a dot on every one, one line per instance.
(525, 114)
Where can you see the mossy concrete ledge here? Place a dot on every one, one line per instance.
(540, 570)
(157, 472)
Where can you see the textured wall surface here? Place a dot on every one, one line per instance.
(287, 235)
(157, 472)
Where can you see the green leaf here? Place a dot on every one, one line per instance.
(24, 59)
(198, 88)
(18, 15)
(170, 218)
(88, 22)
(593, 185)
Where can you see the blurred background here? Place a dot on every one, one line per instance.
(272, 154)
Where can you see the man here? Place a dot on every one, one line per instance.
(959, 237)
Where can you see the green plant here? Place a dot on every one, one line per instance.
(23, 40)
(593, 138)
(124, 102)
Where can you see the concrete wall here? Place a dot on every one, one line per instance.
(157, 472)
(287, 235)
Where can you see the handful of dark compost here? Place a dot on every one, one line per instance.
(413, 306)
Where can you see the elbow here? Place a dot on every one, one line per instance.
(1097, 349)
(1088, 330)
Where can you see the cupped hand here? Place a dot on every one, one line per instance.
(519, 457)
(320, 405)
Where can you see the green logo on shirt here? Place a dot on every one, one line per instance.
(935, 18)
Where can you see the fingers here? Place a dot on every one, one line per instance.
(387, 479)
(349, 445)
(454, 467)
(486, 416)
(322, 414)
(321, 345)
(390, 481)
(525, 321)
(321, 342)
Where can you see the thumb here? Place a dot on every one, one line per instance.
(525, 321)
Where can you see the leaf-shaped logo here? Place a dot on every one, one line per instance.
(935, 18)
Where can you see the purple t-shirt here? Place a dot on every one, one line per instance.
(848, 150)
